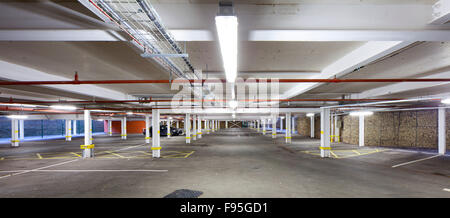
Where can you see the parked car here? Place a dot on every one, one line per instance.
(163, 131)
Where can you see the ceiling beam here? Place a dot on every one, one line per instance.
(60, 35)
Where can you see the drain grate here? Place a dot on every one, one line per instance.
(184, 193)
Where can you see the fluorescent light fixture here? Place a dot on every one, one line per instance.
(64, 107)
(100, 120)
(361, 113)
(17, 116)
(227, 32)
(129, 113)
(446, 101)
(20, 105)
(310, 114)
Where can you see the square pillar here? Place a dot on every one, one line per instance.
(88, 147)
(441, 131)
(274, 126)
(293, 125)
(124, 128)
(110, 127)
(264, 126)
(257, 126)
(14, 133)
(147, 128)
(226, 124)
(68, 130)
(194, 127)
(337, 134)
(178, 124)
(21, 129)
(325, 147)
(187, 128)
(288, 128)
(312, 126)
(75, 132)
(199, 127)
(169, 123)
(156, 138)
(361, 130)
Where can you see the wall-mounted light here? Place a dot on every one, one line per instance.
(361, 113)
(63, 107)
(226, 24)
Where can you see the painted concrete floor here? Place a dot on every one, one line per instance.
(228, 163)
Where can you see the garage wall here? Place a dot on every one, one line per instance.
(304, 126)
(396, 129)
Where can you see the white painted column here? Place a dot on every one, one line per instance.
(288, 128)
(312, 126)
(88, 147)
(258, 125)
(110, 127)
(264, 126)
(90, 129)
(75, 130)
(14, 133)
(212, 126)
(274, 126)
(178, 124)
(226, 124)
(361, 130)
(169, 123)
(441, 131)
(156, 138)
(147, 128)
(194, 127)
(21, 131)
(281, 124)
(293, 125)
(68, 130)
(124, 128)
(187, 128)
(337, 135)
(325, 132)
(199, 127)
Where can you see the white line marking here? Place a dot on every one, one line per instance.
(446, 189)
(414, 161)
(76, 171)
(40, 168)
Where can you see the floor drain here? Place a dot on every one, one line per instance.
(184, 193)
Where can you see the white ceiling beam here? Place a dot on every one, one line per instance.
(17, 72)
(402, 87)
(359, 57)
(60, 35)
(441, 12)
(349, 35)
(191, 35)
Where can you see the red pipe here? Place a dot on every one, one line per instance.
(79, 82)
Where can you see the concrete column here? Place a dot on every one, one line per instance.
(88, 147)
(187, 128)
(90, 129)
(264, 126)
(169, 123)
(361, 130)
(288, 128)
(337, 135)
(194, 127)
(274, 126)
(312, 126)
(441, 131)
(124, 128)
(226, 124)
(14, 133)
(21, 131)
(156, 138)
(199, 127)
(212, 126)
(110, 127)
(325, 132)
(68, 130)
(75, 130)
(258, 126)
(147, 128)
(293, 125)
(281, 124)
(178, 124)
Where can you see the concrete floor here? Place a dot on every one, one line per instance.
(228, 163)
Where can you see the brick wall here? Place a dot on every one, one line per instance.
(304, 126)
(397, 129)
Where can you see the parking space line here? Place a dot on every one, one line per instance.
(75, 154)
(446, 189)
(118, 155)
(38, 155)
(355, 151)
(332, 153)
(415, 161)
(40, 168)
(187, 155)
